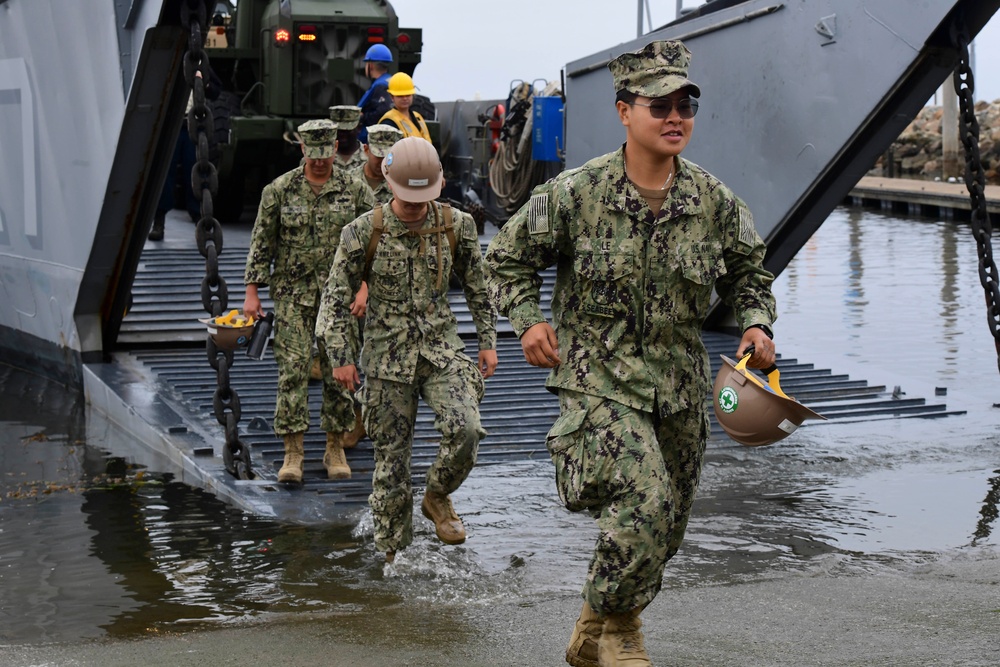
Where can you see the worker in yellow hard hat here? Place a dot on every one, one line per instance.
(410, 123)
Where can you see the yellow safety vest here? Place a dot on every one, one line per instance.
(406, 125)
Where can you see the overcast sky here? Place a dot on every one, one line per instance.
(477, 48)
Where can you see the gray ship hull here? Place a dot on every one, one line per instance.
(799, 98)
(68, 220)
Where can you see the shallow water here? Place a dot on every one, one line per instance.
(91, 547)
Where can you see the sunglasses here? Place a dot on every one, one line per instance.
(661, 108)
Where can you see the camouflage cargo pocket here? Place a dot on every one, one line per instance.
(474, 382)
(567, 442)
(370, 399)
(295, 231)
(389, 280)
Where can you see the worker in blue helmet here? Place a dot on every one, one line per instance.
(376, 100)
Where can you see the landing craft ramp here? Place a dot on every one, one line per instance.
(163, 375)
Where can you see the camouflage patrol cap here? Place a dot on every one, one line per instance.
(381, 137)
(318, 137)
(345, 116)
(655, 70)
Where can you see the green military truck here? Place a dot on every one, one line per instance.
(282, 62)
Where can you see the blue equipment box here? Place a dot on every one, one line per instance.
(547, 129)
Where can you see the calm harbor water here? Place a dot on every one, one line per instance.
(92, 547)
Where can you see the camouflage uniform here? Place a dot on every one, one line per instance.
(381, 193)
(347, 117)
(354, 164)
(380, 140)
(299, 231)
(412, 349)
(632, 291)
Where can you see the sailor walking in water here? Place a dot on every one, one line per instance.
(641, 237)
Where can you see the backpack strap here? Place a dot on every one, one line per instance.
(421, 126)
(449, 229)
(378, 226)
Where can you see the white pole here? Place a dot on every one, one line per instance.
(638, 29)
(949, 130)
(972, 66)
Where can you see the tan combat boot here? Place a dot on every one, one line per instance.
(291, 469)
(582, 649)
(438, 508)
(354, 436)
(335, 461)
(621, 642)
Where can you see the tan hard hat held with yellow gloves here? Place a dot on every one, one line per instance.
(230, 331)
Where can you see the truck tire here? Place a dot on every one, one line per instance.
(228, 203)
(223, 109)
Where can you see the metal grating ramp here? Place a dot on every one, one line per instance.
(166, 297)
(517, 410)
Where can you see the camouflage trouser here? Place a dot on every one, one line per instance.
(638, 475)
(294, 335)
(390, 410)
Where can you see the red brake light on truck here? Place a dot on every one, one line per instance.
(282, 37)
(376, 35)
(402, 39)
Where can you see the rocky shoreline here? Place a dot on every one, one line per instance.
(917, 151)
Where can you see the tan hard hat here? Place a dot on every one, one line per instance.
(413, 169)
(752, 413)
(228, 337)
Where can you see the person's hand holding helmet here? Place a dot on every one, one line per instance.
(764, 351)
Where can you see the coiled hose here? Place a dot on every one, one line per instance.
(513, 174)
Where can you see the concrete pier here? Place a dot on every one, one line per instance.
(926, 198)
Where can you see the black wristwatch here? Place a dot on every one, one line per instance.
(762, 327)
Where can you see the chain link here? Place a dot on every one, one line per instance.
(208, 234)
(975, 182)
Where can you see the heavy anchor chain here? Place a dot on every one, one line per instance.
(975, 182)
(208, 235)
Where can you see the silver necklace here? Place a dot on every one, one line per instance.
(665, 183)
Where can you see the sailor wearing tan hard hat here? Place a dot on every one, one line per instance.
(407, 249)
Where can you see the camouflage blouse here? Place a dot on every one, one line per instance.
(408, 311)
(632, 288)
(298, 231)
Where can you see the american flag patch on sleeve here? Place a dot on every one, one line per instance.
(349, 239)
(748, 234)
(470, 231)
(538, 214)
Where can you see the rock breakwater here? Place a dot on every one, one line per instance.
(917, 153)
